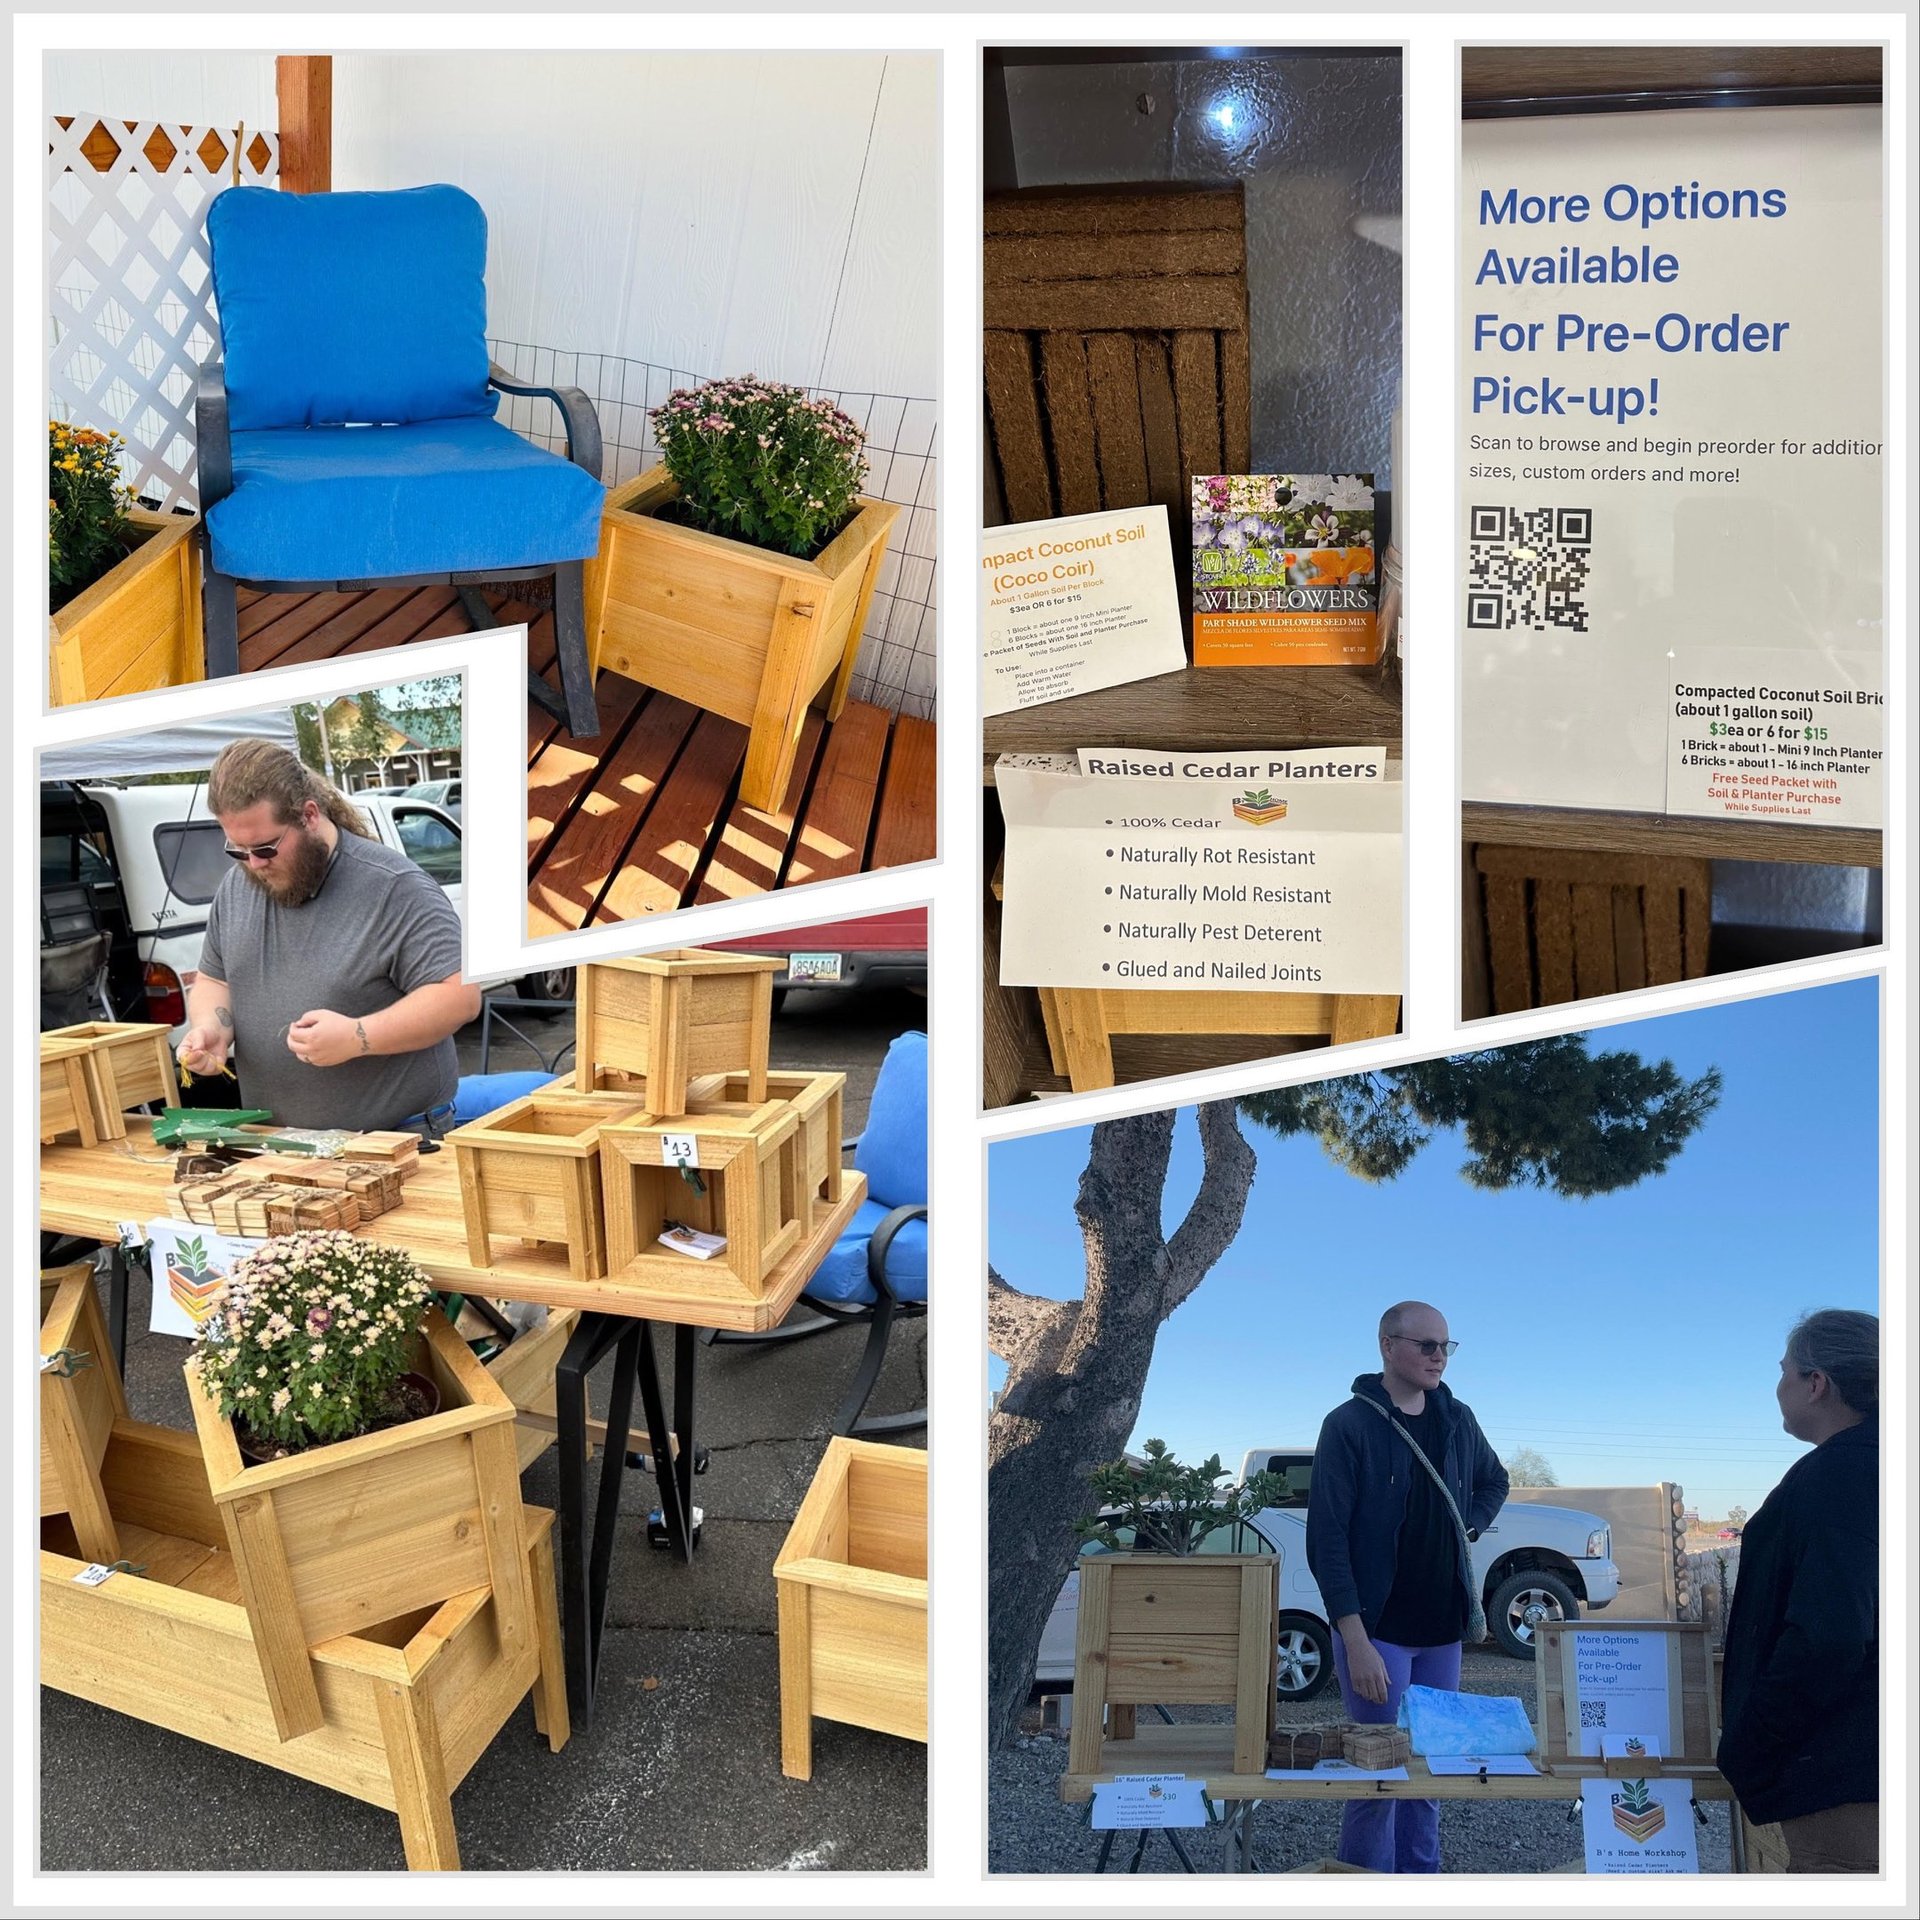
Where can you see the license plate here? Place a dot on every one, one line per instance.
(813, 966)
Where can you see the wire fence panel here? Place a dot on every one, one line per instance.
(131, 313)
(895, 667)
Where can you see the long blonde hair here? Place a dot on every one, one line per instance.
(248, 772)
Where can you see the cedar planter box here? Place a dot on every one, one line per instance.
(816, 1101)
(138, 625)
(128, 1063)
(745, 633)
(66, 1097)
(750, 1167)
(405, 1707)
(340, 1538)
(532, 1169)
(666, 1019)
(1163, 1630)
(852, 1585)
(80, 1399)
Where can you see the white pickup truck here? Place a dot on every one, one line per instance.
(1533, 1563)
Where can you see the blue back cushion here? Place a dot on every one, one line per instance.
(892, 1152)
(479, 1094)
(344, 309)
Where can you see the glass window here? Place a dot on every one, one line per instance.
(430, 842)
(192, 858)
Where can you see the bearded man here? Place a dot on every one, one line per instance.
(331, 964)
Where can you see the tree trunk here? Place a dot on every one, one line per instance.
(1077, 1370)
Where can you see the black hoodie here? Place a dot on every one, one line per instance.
(1800, 1692)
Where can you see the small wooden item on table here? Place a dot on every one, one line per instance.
(532, 1169)
(1376, 1748)
(66, 1102)
(852, 1584)
(128, 1063)
(667, 1019)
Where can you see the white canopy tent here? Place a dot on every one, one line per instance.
(190, 747)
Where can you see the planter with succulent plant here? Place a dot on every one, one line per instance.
(737, 574)
(372, 1505)
(1165, 1621)
(123, 582)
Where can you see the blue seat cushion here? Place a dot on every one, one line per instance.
(373, 503)
(892, 1152)
(337, 308)
(843, 1273)
(480, 1094)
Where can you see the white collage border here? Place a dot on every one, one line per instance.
(955, 1882)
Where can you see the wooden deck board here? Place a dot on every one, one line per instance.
(647, 817)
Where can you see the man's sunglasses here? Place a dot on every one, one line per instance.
(1429, 1349)
(266, 852)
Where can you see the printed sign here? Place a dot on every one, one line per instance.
(1150, 1800)
(1672, 332)
(1220, 881)
(1620, 1685)
(1073, 605)
(1639, 1826)
(190, 1267)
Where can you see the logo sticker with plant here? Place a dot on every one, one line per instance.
(1258, 806)
(1637, 1813)
(194, 1285)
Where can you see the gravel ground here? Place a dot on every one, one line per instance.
(1031, 1831)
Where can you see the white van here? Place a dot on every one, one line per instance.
(141, 863)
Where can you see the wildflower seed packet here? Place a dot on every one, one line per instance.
(1285, 572)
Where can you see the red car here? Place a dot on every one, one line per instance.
(880, 951)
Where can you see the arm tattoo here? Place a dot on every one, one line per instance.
(224, 1015)
(360, 1027)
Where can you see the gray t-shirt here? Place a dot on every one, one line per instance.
(377, 930)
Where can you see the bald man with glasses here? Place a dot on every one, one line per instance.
(1403, 1482)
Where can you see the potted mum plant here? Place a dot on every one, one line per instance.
(737, 574)
(390, 1479)
(123, 582)
(1163, 1621)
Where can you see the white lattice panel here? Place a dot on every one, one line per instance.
(131, 316)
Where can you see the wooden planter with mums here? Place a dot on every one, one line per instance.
(138, 625)
(749, 1165)
(852, 1585)
(340, 1538)
(66, 1098)
(746, 633)
(532, 1170)
(128, 1063)
(667, 1019)
(1168, 1630)
(80, 1399)
(405, 1706)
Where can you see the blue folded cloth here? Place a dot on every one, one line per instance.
(1449, 1723)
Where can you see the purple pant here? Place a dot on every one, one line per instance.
(1394, 1836)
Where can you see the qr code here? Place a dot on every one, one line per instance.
(1528, 568)
(1593, 1713)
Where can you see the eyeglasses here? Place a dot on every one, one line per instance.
(1430, 1349)
(263, 853)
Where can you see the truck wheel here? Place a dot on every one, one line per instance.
(1306, 1657)
(1521, 1602)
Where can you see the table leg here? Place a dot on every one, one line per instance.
(673, 1474)
(117, 1306)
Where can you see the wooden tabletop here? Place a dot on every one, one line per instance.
(1596, 830)
(1212, 710)
(1206, 1753)
(90, 1190)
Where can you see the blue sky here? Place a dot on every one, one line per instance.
(1630, 1338)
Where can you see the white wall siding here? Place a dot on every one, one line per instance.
(190, 89)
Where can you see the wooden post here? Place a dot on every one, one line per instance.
(304, 84)
(795, 1603)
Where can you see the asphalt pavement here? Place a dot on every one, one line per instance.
(681, 1769)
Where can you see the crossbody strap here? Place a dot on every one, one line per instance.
(1477, 1618)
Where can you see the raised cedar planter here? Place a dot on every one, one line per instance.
(532, 1170)
(138, 625)
(852, 1585)
(749, 1187)
(340, 1538)
(128, 1063)
(816, 1100)
(66, 1098)
(664, 1020)
(406, 1706)
(1164, 1630)
(80, 1399)
(751, 635)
